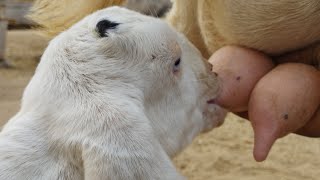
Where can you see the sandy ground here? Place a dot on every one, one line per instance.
(223, 154)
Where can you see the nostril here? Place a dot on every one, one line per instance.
(215, 74)
(212, 101)
(210, 66)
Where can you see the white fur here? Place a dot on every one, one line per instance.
(149, 7)
(110, 107)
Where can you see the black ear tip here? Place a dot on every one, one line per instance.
(104, 25)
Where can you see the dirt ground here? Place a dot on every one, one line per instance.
(223, 154)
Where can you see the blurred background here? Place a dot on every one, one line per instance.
(223, 154)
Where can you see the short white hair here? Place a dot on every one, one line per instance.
(114, 97)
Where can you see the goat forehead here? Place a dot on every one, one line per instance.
(150, 34)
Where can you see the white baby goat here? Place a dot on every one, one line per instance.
(114, 97)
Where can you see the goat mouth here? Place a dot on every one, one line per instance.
(212, 101)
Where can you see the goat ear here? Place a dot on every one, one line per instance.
(104, 25)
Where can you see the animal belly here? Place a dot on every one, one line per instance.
(274, 27)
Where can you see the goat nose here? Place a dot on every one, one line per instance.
(210, 66)
(215, 74)
(212, 101)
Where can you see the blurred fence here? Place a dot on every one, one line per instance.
(16, 11)
(11, 13)
(3, 30)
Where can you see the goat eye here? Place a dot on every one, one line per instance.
(176, 66)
